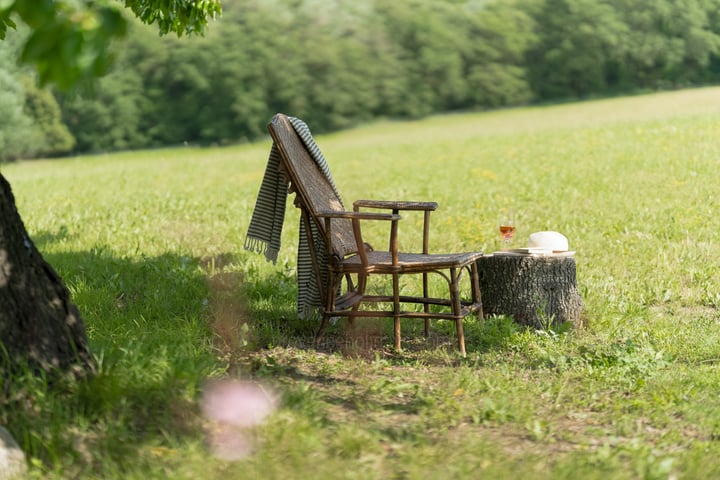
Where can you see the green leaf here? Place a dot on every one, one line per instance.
(113, 23)
(39, 44)
(5, 21)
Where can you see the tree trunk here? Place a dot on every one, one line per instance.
(39, 326)
(536, 291)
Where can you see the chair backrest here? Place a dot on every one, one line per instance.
(313, 189)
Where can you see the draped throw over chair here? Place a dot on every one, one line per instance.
(342, 261)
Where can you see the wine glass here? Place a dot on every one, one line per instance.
(507, 226)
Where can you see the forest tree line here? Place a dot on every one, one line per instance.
(337, 63)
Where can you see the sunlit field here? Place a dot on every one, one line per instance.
(151, 246)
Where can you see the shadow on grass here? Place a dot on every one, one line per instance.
(146, 321)
(372, 338)
(160, 326)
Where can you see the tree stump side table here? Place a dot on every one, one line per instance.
(537, 291)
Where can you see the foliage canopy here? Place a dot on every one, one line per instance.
(69, 40)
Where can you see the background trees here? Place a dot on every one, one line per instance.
(337, 63)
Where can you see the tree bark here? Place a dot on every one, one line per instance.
(540, 292)
(39, 325)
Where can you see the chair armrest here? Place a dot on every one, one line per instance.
(425, 207)
(355, 218)
(395, 205)
(359, 215)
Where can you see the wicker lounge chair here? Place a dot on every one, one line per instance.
(342, 261)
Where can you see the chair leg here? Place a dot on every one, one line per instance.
(461, 336)
(396, 310)
(457, 309)
(426, 307)
(398, 346)
(334, 284)
(321, 330)
(362, 282)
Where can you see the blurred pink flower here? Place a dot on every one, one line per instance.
(242, 404)
(233, 407)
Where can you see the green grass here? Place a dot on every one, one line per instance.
(150, 245)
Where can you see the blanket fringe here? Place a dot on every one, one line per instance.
(255, 245)
(260, 246)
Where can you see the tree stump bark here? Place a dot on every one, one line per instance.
(539, 292)
(39, 325)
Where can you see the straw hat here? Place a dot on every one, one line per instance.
(557, 242)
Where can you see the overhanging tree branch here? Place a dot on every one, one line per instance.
(70, 40)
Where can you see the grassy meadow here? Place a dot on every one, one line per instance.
(151, 246)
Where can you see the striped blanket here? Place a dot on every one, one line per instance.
(263, 235)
